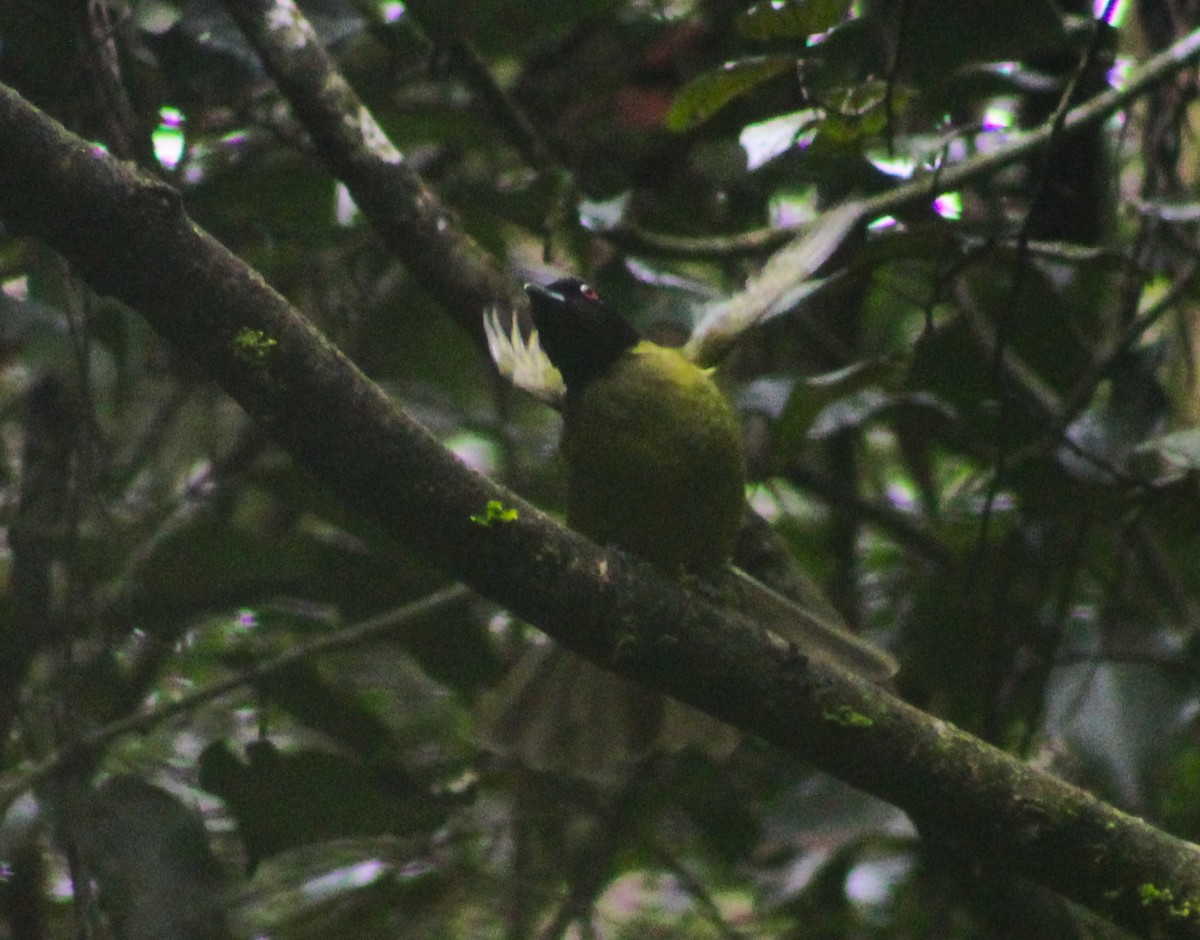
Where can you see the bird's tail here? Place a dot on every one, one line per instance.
(557, 713)
(815, 634)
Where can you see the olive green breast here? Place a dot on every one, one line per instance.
(655, 464)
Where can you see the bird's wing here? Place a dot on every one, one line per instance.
(784, 281)
(522, 361)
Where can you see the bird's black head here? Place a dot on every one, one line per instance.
(580, 334)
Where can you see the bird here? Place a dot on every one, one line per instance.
(655, 467)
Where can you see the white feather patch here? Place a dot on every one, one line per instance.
(522, 361)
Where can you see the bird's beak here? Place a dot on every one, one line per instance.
(537, 290)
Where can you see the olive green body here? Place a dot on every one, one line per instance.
(654, 457)
(653, 453)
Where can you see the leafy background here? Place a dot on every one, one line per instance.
(976, 433)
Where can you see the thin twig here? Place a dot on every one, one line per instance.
(369, 630)
(946, 177)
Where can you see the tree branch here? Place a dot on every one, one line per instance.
(924, 187)
(416, 225)
(381, 626)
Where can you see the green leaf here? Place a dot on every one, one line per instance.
(1180, 449)
(149, 854)
(496, 512)
(813, 396)
(703, 97)
(766, 140)
(282, 799)
(791, 19)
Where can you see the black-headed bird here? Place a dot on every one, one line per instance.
(654, 461)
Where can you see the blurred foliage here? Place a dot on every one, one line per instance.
(978, 436)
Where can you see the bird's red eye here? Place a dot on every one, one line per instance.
(587, 292)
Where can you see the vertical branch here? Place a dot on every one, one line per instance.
(46, 461)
